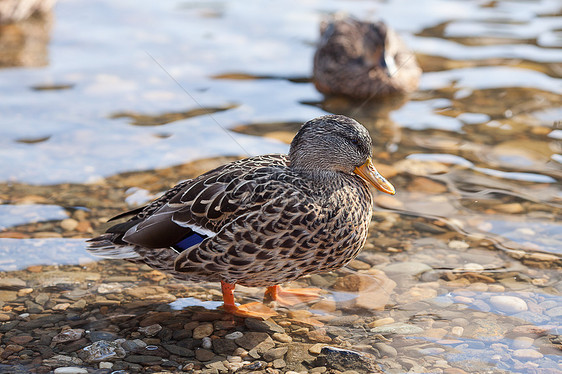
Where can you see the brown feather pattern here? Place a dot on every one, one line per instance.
(266, 221)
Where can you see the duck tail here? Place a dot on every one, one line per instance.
(105, 246)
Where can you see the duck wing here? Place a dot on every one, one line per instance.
(198, 206)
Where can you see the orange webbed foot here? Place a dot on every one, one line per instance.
(293, 296)
(253, 310)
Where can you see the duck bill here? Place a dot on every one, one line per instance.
(369, 173)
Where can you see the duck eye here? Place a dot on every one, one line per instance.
(355, 141)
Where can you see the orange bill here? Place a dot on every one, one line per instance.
(369, 173)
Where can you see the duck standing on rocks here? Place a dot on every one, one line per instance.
(263, 220)
(363, 60)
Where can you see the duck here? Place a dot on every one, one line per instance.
(363, 60)
(263, 220)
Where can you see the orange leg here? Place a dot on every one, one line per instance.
(254, 310)
(292, 296)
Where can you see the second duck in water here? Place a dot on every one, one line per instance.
(363, 60)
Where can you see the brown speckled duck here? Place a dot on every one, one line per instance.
(263, 220)
(363, 60)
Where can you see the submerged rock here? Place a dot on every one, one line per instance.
(102, 350)
(344, 359)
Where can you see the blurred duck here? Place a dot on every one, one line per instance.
(363, 60)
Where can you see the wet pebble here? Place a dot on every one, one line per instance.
(527, 354)
(102, 351)
(68, 335)
(406, 268)
(202, 354)
(397, 328)
(102, 335)
(150, 330)
(70, 370)
(508, 304)
(344, 359)
(203, 330)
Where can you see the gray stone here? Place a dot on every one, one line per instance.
(12, 283)
(68, 335)
(61, 360)
(385, 350)
(150, 330)
(96, 336)
(344, 359)
(268, 326)
(224, 346)
(204, 354)
(102, 351)
(133, 345)
(70, 370)
(179, 351)
(406, 268)
(397, 328)
(275, 353)
(251, 339)
(508, 304)
(143, 359)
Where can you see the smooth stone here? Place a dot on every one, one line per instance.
(458, 245)
(508, 304)
(68, 335)
(102, 351)
(203, 330)
(527, 354)
(234, 335)
(206, 343)
(102, 335)
(406, 268)
(554, 312)
(70, 370)
(224, 346)
(268, 326)
(178, 351)
(385, 350)
(12, 283)
(522, 342)
(344, 359)
(252, 339)
(275, 353)
(150, 330)
(204, 354)
(397, 328)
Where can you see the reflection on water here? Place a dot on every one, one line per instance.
(461, 272)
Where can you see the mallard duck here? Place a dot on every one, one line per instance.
(363, 60)
(263, 220)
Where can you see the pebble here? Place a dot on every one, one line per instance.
(234, 335)
(101, 351)
(527, 354)
(522, 342)
(70, 370)
(203, 330)
(406, 268)
(204, 354)
(206, 343)
(344, 359)
(397, 328)
(458, 245)
(69, 224)
(508, 304)
(68, 335)
(275, 353)
(263, 326)
(150, 330)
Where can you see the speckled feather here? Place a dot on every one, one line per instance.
(265, 221)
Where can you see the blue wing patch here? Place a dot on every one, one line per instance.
(189, 241)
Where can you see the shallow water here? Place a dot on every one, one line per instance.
(461, 272)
